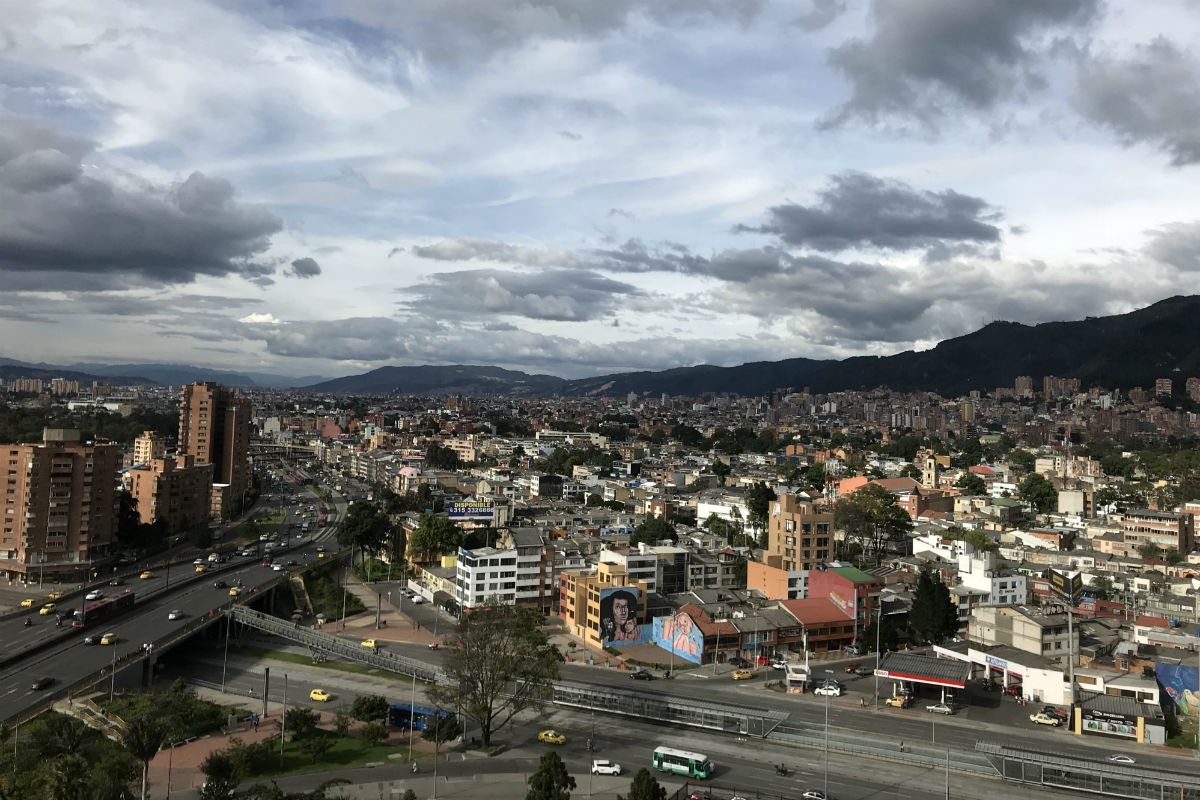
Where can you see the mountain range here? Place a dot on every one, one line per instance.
(1120, 351)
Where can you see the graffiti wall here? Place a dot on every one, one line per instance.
(618, 617)
(1180, 683)
(680, 635)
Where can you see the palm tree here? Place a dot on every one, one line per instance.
(68, 779)
(143, 737)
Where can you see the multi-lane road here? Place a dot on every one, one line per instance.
(68, 659)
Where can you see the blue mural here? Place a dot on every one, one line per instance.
(618, 618)
(1180, 684)
(680, 635)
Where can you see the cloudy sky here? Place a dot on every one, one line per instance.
(584, 186)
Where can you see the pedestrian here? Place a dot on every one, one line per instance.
(901, 745)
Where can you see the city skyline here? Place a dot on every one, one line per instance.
(582, 188)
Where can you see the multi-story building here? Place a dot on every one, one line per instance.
(536, 580)
(60, 512)
(1163, 387)
(149, 446)
(799, 535)
(1167, 529)
(640, 564)
(849, 588)
(485, 574)
(604, 606)
(214, 426)
(1025, 628)
(173, 489)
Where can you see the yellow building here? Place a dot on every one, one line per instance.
(604, 606)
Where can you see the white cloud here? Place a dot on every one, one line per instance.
(259, 319)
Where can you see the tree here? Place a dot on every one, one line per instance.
(550, 781)
(68, 778)
(372, 733)
(758, 504)
(721, 470)
(887, 635)
(1102, 588)
(1150, 550)
(434, 535)
(1022, 458)
(872, 516)
(142, 737)
(971, 483)
(300, 722)
(1038, 492)
(341, 721)
(442, 729)
(934, 617)
(369, 707)
(365, 527)
(815, 477)
(221, 776)
(644, 787)
(651, 531)
(1172, 556)
(316, 746)
(500, 663)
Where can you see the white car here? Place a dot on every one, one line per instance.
(940, 708)
(175, 614)
(417, 600)
(833, 690)
(1044, 719)
(602, 766)
(277, 567)
(1120, 759)
(780, 664)
(95, 594)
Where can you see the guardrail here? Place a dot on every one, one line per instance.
(921, 754)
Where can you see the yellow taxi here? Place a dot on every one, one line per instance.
(201, 568)
(742, 674)
(55, 595)
(47, 609)
(108, 638)
(320, 695)
(370, 644)
(147, 575)
(235, 591)
(551, 737)
(27, 602)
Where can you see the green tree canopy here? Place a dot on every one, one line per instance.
(871, 516)
(887, 634)
(499, 663)
(365, 527)
(652, 531)
(721, 469)
(971, 483)
(434, 535)
(934, 616)
(142, 737)
(369, 707)
(221, 776)
(550, 781)
(1038, 492)
(644, 787)
(815, 477)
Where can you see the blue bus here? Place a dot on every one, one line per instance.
(406, 715)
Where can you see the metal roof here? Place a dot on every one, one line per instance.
(923, 669)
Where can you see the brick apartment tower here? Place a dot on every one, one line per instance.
(214, 427)
(60, 513)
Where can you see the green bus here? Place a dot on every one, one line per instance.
(682, 762)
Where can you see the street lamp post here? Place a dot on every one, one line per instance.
(878, 626)
(830, 672)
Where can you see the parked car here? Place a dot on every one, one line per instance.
(739, 662)
(940, 708)
(1057, 713)
(897, 701)
(853, 650)
(1045, 719)
(602, 766)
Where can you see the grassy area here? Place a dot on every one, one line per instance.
(189, 715)
(306, 660)
(375, 569)
(343, 752)
(329, 598)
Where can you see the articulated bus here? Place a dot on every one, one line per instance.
(682, 762)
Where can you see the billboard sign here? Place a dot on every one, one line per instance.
(680, 635)
(618, 617)
(470, 510)
(1096, 721)
(1066, 586)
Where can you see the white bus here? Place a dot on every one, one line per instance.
(683, 762)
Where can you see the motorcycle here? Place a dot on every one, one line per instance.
(28, 622)
(781, 769)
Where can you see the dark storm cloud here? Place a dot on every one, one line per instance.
(358, 338)
(112, 231)
(553, 294)
(728, 265)
(305, 268)
(858, 210)
(821, 14)
(1153, 97)
(928, 56)
(1177, 244)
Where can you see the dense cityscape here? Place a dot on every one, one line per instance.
(1037, 543)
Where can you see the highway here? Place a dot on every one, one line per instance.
(69, 660)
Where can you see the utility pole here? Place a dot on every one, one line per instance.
(878, 627)
(283, 734)
(225, 660)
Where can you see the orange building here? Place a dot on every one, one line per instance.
(604, 606)
(214, 426)
(60, 514)
(173, 489)
(799, 536)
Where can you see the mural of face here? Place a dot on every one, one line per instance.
(620, 610)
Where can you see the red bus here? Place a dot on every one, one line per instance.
(102, 609)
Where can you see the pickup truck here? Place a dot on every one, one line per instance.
(1044, 719)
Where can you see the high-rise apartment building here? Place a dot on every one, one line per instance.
(1023, 387)
(173, 489)
(60, 507)
(149, 446)
(798, 534)
(1163, 387)
(214, 426)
